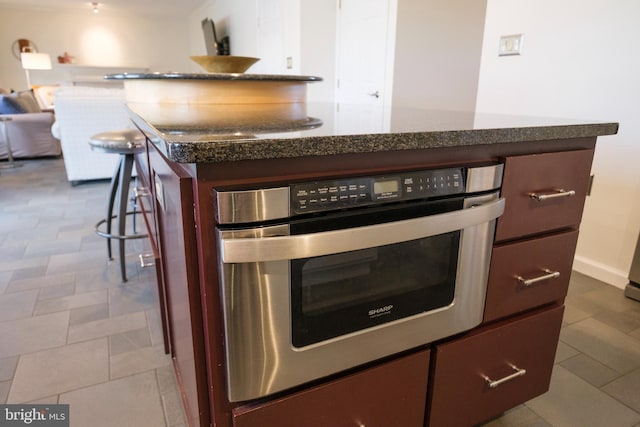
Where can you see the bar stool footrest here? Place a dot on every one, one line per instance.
(106, 235)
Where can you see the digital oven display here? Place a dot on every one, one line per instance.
(388, 188)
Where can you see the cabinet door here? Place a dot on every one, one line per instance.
(529, 273)
(391, 394)
(481, 375)
(543, 192)
(173, 193)
(144, 194)
(150, 257)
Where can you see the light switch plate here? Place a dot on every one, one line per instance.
(510, 45)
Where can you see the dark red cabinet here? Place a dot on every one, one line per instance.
(529, 273)
(543, 192)
(518, 352)
(173, 194)
(441, 386)
(530, 268)
(390, 394)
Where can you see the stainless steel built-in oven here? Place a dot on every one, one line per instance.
(318, 277)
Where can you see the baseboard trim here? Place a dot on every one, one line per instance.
(602, 272)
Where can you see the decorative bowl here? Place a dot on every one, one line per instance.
(224, 63)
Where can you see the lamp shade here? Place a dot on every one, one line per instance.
(35, 61)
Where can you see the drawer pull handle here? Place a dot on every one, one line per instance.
(518, 373)
(141, 192)
(558, 193)
(142, 258)
(549, 275)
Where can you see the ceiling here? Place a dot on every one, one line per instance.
(150, 7)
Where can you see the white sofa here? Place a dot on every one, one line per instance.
(80, 113)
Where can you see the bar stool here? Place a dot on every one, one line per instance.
(126, 143)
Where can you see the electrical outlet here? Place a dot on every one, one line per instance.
(289, 62)
(510, 45)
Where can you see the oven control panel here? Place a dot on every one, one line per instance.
(328, 195)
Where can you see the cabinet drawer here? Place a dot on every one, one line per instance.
(392, 394)
(537, 187)
(460, 395)
(529, 273)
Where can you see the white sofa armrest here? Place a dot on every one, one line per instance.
(81, 112)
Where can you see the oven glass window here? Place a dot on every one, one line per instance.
(337, 294)
(341, 293)
(336, 281)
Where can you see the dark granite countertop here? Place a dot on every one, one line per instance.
(213, 76)
(210, 134)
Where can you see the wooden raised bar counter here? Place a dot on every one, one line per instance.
(191, 151)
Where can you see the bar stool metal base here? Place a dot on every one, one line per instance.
(125, 143)
(120, 237)
(106, 235)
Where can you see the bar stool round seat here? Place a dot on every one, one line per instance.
(126, 143)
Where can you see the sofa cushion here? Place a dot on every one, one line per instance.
(44, 95)
(9, 105)
(19, 102)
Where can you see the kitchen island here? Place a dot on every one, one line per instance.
(196, 152)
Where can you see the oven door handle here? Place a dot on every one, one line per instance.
(246, 250)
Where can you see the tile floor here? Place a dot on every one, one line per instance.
(71, 332)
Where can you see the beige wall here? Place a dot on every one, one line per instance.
(579, 60)
(437, 57)
(234, 18)
(306, 33)
(106, 39)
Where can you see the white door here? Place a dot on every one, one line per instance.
(365, 47)
(270, 37)
(278, 37)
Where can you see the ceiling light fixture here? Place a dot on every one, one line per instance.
(95, 7)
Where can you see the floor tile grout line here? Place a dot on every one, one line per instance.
(163, 401)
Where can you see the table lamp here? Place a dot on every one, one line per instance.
(34, 61)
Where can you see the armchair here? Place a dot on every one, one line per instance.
(30, 136)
